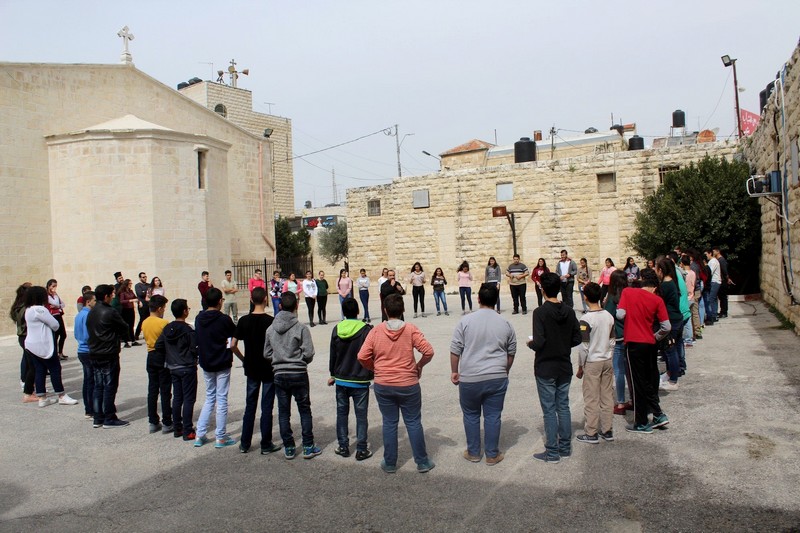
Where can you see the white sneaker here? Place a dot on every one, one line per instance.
(668, 386)
(663, 378)
(44, 402)
(22, 386)
(65, 399)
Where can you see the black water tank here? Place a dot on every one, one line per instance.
(590, 130)
(524, 150)
(182, 85)
(678, 119)
(636, 143)
(762, 100)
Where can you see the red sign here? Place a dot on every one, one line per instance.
(749, 122)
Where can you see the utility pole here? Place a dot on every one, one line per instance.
(552, 141)
(335, 192)
(399, 143)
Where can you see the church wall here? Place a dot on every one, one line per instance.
(43, 99)
(767, 151)
(557, 205)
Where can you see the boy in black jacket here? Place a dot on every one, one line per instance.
(178, 343)
(352, 380)
(555, 331)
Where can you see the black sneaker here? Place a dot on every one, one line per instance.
(589, 439)
(243, 448)
(363, 454)
(524, 311)
(344, 452)
(115, 424)
(271, 448)
(177, 432)
(608, 436)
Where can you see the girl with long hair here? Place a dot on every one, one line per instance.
(40, 343)
(536, 277)
(617, 283)
(465, 285)
(438, 281)
(344, 286)
(584, 277)
(417, 281)
(156, 287)
(127, 301)
(605, 278)
(56, 307)
(27, 371)
(631, 270)
(670, 292)
(494, 275)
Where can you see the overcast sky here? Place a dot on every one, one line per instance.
(445, 71)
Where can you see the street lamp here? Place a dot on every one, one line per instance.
(431, 155)
(728, 61)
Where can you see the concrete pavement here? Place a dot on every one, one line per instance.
(729, 460)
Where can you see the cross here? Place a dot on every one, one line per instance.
(233, 64)
(126, 36)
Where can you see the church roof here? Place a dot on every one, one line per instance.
(126, 123)
(470, 146)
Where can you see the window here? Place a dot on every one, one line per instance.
(607, 182)
(374, 208)
(505, 192)
(666, 169)
(420, 199)
(220, 109)
(201, 169)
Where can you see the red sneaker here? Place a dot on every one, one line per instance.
(619, 410)
(190, 436)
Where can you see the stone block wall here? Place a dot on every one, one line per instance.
(37, 100)
(774, 146)
(556, 204)
(239, 110)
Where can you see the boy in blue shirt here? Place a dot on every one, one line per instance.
(82, 336)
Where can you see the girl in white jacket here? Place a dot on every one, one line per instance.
(40, 342)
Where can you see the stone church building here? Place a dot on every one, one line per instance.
(103, 168)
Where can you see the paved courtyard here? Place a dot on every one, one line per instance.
(729, 460)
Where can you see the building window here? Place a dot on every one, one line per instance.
(201, 169)
(420, 199)
(663, 170)
(220, 109)
(505, 192)
(607, 182)
(374, 208)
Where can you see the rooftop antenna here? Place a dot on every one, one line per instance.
(335, 192)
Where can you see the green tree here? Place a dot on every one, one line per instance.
(702, 205)
(291, 243)
(333, 243)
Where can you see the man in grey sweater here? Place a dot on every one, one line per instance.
(481, 354)
(289, 349)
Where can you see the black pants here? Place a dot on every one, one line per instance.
(310, 302)
(418, 293)
(30, 369)
(144, 312)
(539, 294)
(158, 382)
(642, 361)
(130, 318)
(184, 394)
(567, 288)
(322, 312)
(723, 298)
(61, 334)
(518, 296)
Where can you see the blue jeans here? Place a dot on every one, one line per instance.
(217, 386)
(254, 386)
(439, 296)
(713, 303)
(408, 400)
(159, 383)
(554, 399)
(701, 309)
(106, 383)
(620, 370)
(341, 300)
(360, 396)
(276, 306)
(465, 292)
(673, 353)
(490, 396)
(286, 387)
(583, 299)
(88, 383)
(184, 394)
(364, 295)
(42, 367)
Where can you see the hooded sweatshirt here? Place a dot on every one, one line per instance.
(178, 343)
(555, 332)
(346, 340)
(288, 346)
(389, 351)
(214, 330)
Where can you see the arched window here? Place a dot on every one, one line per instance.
(219, 108)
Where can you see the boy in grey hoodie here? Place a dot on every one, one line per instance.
(289, 349)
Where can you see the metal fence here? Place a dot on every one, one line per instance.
(244, 270)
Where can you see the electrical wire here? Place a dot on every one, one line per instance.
(384, 130)
(301, 158)
(721, 94)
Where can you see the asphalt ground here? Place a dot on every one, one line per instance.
(727, 462)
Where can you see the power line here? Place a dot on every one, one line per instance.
(384, 130)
